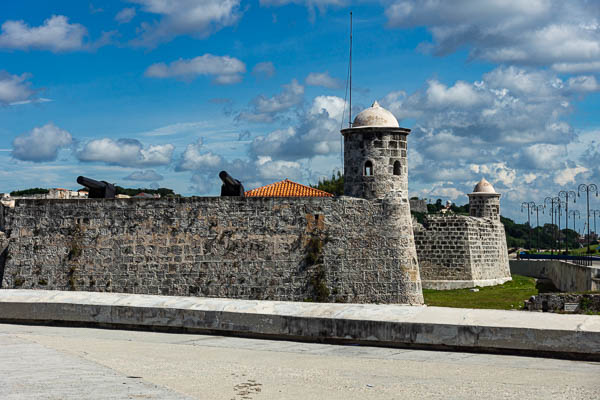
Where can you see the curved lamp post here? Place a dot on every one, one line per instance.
(574, 213)
(537, 209)
(553, 202)
(567, 194)
(529, 206)
(587, 189)
(559, 213)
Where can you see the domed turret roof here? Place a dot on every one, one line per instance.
(484, 187)
(375, 116)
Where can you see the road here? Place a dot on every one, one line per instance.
(83, 363)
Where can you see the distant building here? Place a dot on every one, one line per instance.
(418, 205)
(53, 194)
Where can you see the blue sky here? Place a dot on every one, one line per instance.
(169, 92)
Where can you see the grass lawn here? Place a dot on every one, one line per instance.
(509, 296)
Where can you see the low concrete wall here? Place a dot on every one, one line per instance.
(566, 276)
(497, 331)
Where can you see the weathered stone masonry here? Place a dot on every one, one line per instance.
(327, 249)
(460, 252)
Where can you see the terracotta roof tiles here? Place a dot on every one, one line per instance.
(287, 188)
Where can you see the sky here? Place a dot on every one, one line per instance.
(149, 93)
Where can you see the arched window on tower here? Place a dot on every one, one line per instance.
(397, 168)
(368, 168)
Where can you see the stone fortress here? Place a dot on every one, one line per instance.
(357, 248)
(459, 251)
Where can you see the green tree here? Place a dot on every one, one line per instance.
(335, 185)
(29, 192)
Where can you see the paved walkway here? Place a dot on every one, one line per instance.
(82, 363)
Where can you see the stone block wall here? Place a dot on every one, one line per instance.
(484, 205)
(320, 249)
(460, 251)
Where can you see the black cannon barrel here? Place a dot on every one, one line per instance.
(91, 183)
(98, 189)
(230, 186)
(228, 179)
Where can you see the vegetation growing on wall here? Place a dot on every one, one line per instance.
(317, 280)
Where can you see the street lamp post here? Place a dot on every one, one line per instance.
(574, 213)
(553, 202)
(587, 189)
(595, 213)
(537, 209)
(529, 206)
(559, 214)
(567, 194)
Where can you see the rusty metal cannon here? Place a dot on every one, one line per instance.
(230, 186)
(98, 189)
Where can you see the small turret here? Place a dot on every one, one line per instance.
(484, 202)
(375, 155)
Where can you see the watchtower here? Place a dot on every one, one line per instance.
(484, 202)
(375, 155)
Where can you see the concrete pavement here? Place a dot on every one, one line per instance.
(79, 363)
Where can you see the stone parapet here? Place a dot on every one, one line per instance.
(320, 249)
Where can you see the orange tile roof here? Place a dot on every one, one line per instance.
(287, 188)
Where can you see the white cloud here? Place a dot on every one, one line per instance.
(585, 83)
(56, 34)
(269, 170)
(311, 5)
(195, 158)
(125, 152)
(148, 175)
(322, 79)
(332, 105)
(543, 156)
(198, 18)
(264, 109)
(41, 144)
(503, 108)
(175, 129)
(564, 35)
(317, 133)
(447, 192)
(461, 94)
(290, 96)
(264, 70)
(14, 89)
(125, 15)
(568, 175)
(224, 69)
(528, 178)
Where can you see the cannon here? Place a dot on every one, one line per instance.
(230, 186)
(98, 189)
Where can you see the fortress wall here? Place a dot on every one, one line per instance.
(324, 249)
(443, 249)
(459, 252)
(489, 253)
